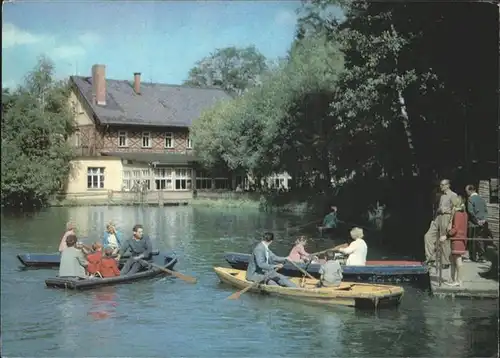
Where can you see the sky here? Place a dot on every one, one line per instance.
(162, 39)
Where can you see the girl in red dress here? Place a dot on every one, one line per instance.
(457, 234)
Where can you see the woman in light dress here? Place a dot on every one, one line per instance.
(357, 249)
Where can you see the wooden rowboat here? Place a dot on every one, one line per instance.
(85, 284)
(49, 260)
(373, 271)
(350, 294)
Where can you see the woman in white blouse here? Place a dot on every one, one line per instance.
(357, 250)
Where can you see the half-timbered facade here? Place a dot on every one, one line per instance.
(134, 136)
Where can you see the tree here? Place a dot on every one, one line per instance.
(35, 125)
(232, 69)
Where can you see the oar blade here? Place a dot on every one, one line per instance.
(235, 296)
(186, 278)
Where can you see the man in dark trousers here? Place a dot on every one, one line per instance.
(478, 226)
(140, 248)
(262, 265)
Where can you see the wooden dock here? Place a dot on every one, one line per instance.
(474, 286)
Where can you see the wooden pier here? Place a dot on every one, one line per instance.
(474, 286)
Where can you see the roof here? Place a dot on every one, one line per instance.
(156, 158)
(157, 105)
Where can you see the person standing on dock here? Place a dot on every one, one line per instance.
(478, 226)
(262, 265)
(141, 249)
(438, 227)
(457, 234)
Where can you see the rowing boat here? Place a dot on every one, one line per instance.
(50, 260)
(373, 271)
(85, 284)
(350, 294)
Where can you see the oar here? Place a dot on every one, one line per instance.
(302, 270)
(327, 250)
(173, 273)
(237, 295)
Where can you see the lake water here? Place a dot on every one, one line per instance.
(167, 317)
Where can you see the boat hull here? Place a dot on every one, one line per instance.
(86, 284)
(373, 271)
(49, 260)
(350, 294)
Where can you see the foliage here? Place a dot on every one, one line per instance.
(36, 121)
(231, 68)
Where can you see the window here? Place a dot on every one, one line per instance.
(95, 178)
(169, 140)
(163, 179)
(203, 180)
(146, 139)
(122, 139)
(222, 183)
(189, 143)
(126, 180)
(183, 179)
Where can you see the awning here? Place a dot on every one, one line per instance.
(156, 158)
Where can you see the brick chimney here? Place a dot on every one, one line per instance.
(137, 82)
(99, 84)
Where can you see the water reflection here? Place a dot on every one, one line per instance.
(104, 303)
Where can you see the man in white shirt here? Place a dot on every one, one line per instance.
(357, 250)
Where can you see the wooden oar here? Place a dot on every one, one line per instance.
(302, 270)
(327, 250)
(173, 273)
(237, 295)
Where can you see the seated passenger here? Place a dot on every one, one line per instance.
(73, 262)
(262, 265)
(331, 274)
(70, 230)
(298, 252)
(108, 266)
(357, 250)
(112, 238)
(94, 258)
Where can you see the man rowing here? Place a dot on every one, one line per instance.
(330, 221)
(141, 249)
(262, 265)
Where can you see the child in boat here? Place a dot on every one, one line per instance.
(108, 266)
(298, 252)
(94, 258)
(331, 273)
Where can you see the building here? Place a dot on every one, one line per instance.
(134, 137)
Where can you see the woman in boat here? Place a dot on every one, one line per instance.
(73, 261)
(70, 230)
(457, 234)
(357, 249)
(112, 238)
(298, 252)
